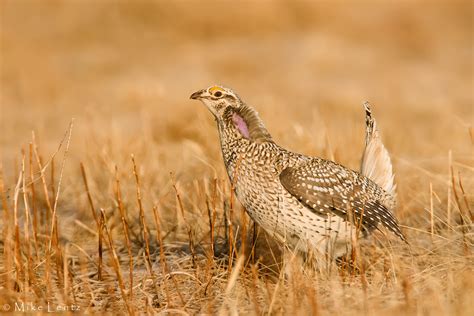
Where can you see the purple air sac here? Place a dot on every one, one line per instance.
(241, 125)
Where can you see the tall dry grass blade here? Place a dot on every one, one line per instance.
(230, 230)
(230, 286)
(26, 226)
(215, 198)
(100, 227)
(176, 285)
(163, 263)
(149, 269)
(269, 247)
(464, 222)
(178, 196)
(17, 248)
(407, 293)
(458, 203)
(211, 229)
(116, 264)
(279, 282)
(464, 196)
(211, 213)
(311, 293)
(63, 163)
(188, 226)
(365, 287)
(243, 224)
(159, 237)
(89, 197)
(144, 227)
(448, 206)
(33, 202)
(44, 166)
(58, 253)
(45, 218)
(125, 227)
(45, 214)
(254, 241)
(8, 247)
(98, 221)
(293, 276)
(431, 212)
(43, 181)
(254, 289)
(330, 153)
(53, 180)
(54, 234)
(141, 211)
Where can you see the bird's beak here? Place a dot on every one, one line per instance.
(197, 95)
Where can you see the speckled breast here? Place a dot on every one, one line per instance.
(254, 172)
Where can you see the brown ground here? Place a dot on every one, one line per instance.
(124, 72)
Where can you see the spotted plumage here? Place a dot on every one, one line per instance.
(306, 202)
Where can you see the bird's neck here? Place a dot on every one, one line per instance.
(245, 122)
(239, 129)
(232, 145)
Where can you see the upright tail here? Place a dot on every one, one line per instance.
(376, 164)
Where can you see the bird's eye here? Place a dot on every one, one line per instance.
(218, 94)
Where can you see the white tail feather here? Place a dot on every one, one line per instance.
(376, 164)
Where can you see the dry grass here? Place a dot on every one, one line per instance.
(89, 225)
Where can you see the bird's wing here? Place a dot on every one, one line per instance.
(376, 164)
(327, 188)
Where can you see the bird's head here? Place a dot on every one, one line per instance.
(230, 111)
(217, 99)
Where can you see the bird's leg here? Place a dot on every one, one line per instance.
(254, 241)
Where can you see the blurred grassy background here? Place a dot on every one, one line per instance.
(110, 61)
(125, 70)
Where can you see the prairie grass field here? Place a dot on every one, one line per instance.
(114, 196)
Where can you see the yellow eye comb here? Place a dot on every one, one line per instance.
(215, 88)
